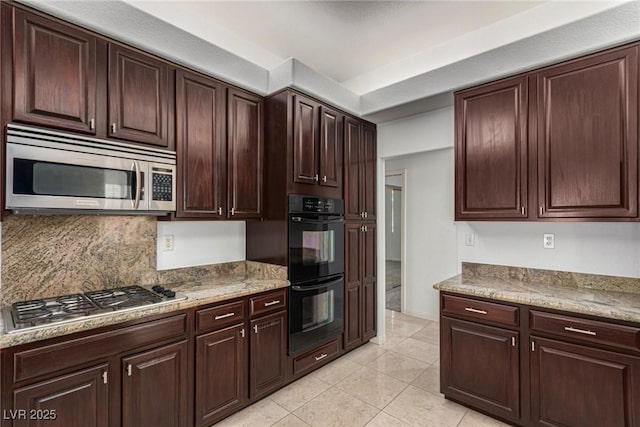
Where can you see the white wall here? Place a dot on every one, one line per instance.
(430, 238)
(415, 134)
(200, 242)
(592, 247)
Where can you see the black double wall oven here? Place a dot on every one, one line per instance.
(316, 270)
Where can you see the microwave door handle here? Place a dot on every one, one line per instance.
(136, 168)
(315, 221)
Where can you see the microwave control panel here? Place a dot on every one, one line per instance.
(161, 185)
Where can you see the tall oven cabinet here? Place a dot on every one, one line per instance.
(360, 233)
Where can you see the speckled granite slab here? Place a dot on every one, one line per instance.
(604, 296)
(198, 292)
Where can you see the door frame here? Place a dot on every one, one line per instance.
(403, 237)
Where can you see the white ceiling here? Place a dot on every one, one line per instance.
(340, 39)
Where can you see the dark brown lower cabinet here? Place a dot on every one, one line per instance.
(268, 350)
(480, 366)
(220, 376)
(154, 387)
(77, 399)
(360, 283)
(353, 316)
(577, 386)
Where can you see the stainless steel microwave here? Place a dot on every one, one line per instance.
(54, 172)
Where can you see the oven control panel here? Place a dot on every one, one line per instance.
(315, 205)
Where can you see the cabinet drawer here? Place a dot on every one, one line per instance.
(56, 357)
(219, 316)
(586, 330)
(268, 302)
(315, 357)
(469, 308)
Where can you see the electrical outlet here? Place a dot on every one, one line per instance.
(469, 239)
(549, 241)
(167, 242)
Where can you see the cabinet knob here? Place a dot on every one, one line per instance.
(129, 369)
(113, 128)
(255, 328)
(362, 228)
(366, 214)
(324, 178)
(315, 178)
(220, 211)
(92, 124)
(361, 214)
(522, 210)
(233, 211)
(541, 210)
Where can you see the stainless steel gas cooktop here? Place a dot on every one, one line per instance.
(27, 315)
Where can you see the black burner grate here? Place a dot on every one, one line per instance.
(125, 297)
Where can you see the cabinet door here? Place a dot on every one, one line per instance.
(55, 74)
(201, 146)
(245, 154)
(330, 148)
(368, 255)
(353, 285)
(76, 399)
(305, 140)
(154, 387)
(268, 353)
(480, 366)
(353, 173)
(368, 186)
(577, 386)
(491, 151)
(139, 88)
(221, 374)
(588, 136)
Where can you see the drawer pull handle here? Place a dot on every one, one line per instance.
(579, 331)
(224, 316)
(475, 310)
(322, 356)
(274, 302)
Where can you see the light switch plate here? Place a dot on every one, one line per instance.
(549, 241)
(469, 239)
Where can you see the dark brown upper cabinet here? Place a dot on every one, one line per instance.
(317, 144)
(491, 151)
(245, 154)
(588, 137)
(557, 143)
(139, 94)
(201, 147)
(305, 140)
(360, 169)
(54, 74)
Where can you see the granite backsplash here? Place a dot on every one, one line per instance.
(45, 256)
(553, 277)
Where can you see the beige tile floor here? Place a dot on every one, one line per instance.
(396, 384)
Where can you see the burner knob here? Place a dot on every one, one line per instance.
(157, 288)
(169, 293)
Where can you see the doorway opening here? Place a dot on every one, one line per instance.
(394, 227)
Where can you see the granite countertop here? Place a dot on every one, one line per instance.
(199, 292)
(603, 296)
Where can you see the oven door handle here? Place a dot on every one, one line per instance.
(313, 288)
(316, 221)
